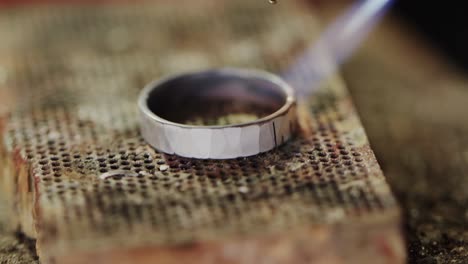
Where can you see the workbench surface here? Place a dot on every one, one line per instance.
(413, 106)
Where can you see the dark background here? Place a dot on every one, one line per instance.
(444, 24)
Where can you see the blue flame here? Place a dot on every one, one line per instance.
(334, 46)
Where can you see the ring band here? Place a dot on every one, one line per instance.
(162, 114)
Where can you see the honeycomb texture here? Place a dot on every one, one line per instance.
(80, 177)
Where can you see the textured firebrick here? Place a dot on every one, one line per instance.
(71, 78)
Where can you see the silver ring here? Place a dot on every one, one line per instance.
(166, 105)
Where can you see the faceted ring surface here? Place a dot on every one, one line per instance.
(165, 104)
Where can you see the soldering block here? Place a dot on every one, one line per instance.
(80, 180)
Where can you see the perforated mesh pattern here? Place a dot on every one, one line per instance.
(71, 79)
